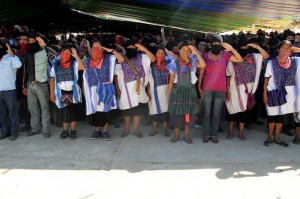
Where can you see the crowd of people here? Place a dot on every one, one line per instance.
(177, 82)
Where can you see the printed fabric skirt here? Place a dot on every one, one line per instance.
(183, 100)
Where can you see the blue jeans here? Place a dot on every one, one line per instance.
(213, 102)
(38, 106)
(9, 117)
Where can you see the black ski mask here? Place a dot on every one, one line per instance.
(216, 49)
(131, 52)
(243, 52)
(34, 47)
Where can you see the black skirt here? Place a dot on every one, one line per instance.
(238, 117)
(276, 119)
(136, 111)
(100, 118)
(178, 121)
(69, 113)
(163, 117)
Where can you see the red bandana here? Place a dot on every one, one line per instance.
(160, 63)
(65, 60)
(249, 60)
(97, 58)
(23, 49)
(188, 66)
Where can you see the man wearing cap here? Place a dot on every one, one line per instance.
(9, 63)
(36, 84)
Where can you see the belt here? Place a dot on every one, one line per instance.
(175, 85)
(37, 82)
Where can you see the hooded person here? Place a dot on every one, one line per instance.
(131, 82)
(35, 83)
(243, 76)
(212, 85)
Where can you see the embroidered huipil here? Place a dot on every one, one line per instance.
(99, 89)
(277, 75)
(127, 81)
(65, 79)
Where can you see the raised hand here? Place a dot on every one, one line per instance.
(192, 49)
(227, 46)
(41, 42)
(74, 52)
(9, 50)
(140, 47)
(295, 49)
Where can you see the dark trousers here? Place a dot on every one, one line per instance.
(24, 112)
(9, 118)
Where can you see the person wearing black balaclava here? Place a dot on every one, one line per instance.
(9, 119)
(213, 88)
(241, 77)
(131, 82)
(36, 84)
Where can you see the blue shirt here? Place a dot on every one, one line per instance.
(8, 70)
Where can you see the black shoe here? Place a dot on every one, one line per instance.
(4, 136)
(31, 133)
(25, 128)
(47, 135)
(95, 135)
(288, 133)
(138, 134)
(248, 126)
(105, 136)
(13, 137)
(73, 134)
(64, 134)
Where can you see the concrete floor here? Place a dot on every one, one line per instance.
(151, 167)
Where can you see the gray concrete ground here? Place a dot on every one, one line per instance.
(151, 167)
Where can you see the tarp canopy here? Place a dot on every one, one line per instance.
(196, 15)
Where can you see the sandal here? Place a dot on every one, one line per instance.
(124, 134)
(214, 139)
(268, 142)
(281, 143)
(229, 136)
(296, 140)
(166, 134)
(205, 139)
(152, 133)
(174, 139)
(242, 137)
(188, 140)
(138, 134)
